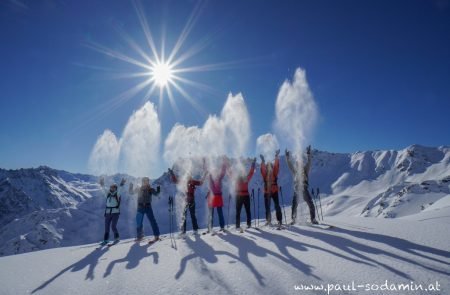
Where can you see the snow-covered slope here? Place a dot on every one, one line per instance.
(365, 252)
(44, 208)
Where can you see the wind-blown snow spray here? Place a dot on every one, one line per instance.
(136, 152)
(296, 114)
(140, 142)
(266, 145)
(227, 134)
(105, 154)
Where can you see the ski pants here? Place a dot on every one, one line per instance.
(211, 216)
(147, 210)
(111, 220)
(274, 197)
(309, 202)
(243, 200)
(191, 207)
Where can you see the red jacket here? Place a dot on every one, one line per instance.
(270, 177)
(190, 190)
(215, 198)
(242, 183)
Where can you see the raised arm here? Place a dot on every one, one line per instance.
(173, 176)
(121, 188)
(252, 170)
(276, 166)
(263, 167)
(102, 185)
(132, 189)
(157, 191)
(224, 168)
(289, 163)
(308, 159)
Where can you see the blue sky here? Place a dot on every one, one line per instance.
(379, 70)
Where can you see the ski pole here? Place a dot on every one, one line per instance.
(228, 217)
(258, 205)
(173, 216)
(253, 198)
(170, 217)
(315, 202)
(320, 203)
(282, 200)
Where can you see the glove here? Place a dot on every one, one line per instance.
(308, 149)
(277, 153)
(262, 158)
(254, 161)
(122, 182)
(287, 153)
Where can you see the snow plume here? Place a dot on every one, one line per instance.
(136, 151)
(266, 145)
(296, 112)
(105, 154)
(140, 142)
(227, 134)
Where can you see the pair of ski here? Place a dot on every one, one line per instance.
(316, 225)
(150, 242)
(185, 235)
(107, 244)
(213, 232)
(284, 226)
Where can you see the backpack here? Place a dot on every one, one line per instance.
(117, 199)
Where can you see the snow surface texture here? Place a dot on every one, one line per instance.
(44, 208)
(358, 250)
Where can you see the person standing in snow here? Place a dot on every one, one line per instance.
(144, 207)
(301, 184)
(112, 209)
(269, 174)
(243, 195)
(215, 199)
(189, 200)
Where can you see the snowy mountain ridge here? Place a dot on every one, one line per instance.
(43, 208)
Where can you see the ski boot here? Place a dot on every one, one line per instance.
(154, 240)
(104, 242)
(279, 227)
(138, 239)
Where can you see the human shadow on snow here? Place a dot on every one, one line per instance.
(284, 243)
(90, 261)
(356, 248)
(399, 243)
(133, 258)
(247, 246)
(205, 254)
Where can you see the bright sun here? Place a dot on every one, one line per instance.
(162, 74)
(160, 70)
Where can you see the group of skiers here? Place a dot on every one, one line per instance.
(269, 173)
